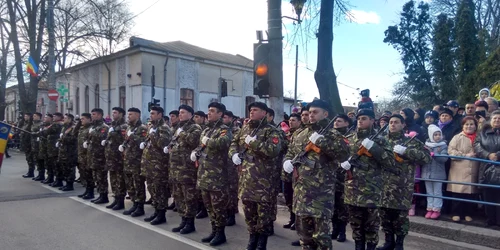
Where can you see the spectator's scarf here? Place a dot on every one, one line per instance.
(472, 137)
(441, 124)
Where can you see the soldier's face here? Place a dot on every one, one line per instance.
(304, 116)
(57, 118)
(184, 115)
(294, 122)
(340, 123)
(133, 116)
(214, 114)
(85, 120)
(317, 114)
(257, 114)
(116, 115)
(26, 117)
(36, 118)
(174, 119)
(226, 119)
(364, 122)
(395, 125)
(199, 119)
(270, 118)
(96, 116)
(47, 119)
(155, 115)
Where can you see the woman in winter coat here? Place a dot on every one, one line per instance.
(463, 170)
(435, 171)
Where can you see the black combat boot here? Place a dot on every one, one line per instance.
(85, 193)
(149, 202)
(231, 220)
(220, 237)
(40, 176)
(400, 239)
(130, 210)
(292, 227)
(202, 211)
(341, 229)
(296, 243)
(371, 246)
(181, 226)
(189, 228)
(262, 243)
(389, 243)
(160, 217)
(57, 183)
(110, 206)
(359, 245)
(103, 199)
(49, 180)
(335, 230)
(291, 222)
(152, 216)
(90, 194)
(30, 174)
(139, 211)
(212, 234)
(68, 187)
(252, 241)
(171, 206)
(120, 203)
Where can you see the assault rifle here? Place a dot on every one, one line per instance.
(363, 151)
(173, 142)
(202, 146)
(310, 146)
(397, 156)
(254, 132)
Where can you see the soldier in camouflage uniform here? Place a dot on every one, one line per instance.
(174, 125)
(398, 185)
(53, 132)
(314, 188)
(35, 147)
(85, 171)
(26, 145)
(68, 152)
(200, 119)
(363, 192)
(136, 187)
(114, 158)
(340, 216)
(232, 173)
(255, 148)
(211, 155)
(182, 171)
(154, 164)
(96, 154)
(43, 154)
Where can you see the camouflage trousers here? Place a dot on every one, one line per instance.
(340, 214)
(232, 191)
(394, 221)
(160, 192)
(288, 193)
(86, 177)
(258, 216)
(117, 179)
(314, 232)
(30, 159)
(50, 165)
(136, 186)
(68, 171)
(274, 198)
(186, 199)
(101, 178)
(40, 165)
(364, 223)
(216, 204)
(59, 170)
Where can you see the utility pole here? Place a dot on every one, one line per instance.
(51, 108)
(296, 73)
(275, 38)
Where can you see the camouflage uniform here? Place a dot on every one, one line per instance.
(37, 153)
(42, 153)
(114, 158)
(364, 191)
(26, 146)
(98, 131)
(314, 188)
(340, 214)
(258, 163)
(83, 162)
(232, 173)
(212, 172)
(52, 133)
(398, 185)
(136, 187)
(277, 171)
(154, 164)
(182, 170)
(286, 177)
(68, 152)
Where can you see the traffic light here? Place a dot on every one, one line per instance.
(156, 102)
(223, 88)
(261, 69)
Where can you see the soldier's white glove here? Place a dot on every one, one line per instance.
(85, 144)
(91, 130)
(236, 159)
(111, 130)
(398, 149)
(367, 143)
(57, 144)
(129, 132)
(178, 131)
(345, 165)
(249, 139)
(121, 148)
(204, 140)
(41, 129)
(60, 135)
(193, 156)
(165, 150)
(38, 139)
(314, 137)
(103, 143)
(152, 130)
(287, 166)
(142, 145)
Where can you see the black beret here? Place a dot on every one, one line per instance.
(49, 115)
(121, 110)
(447, 111)
(199, 113)
(27, 113)
(70, 116)
(270, 111)
(58, 114)
(157, 109)
(319, 104)
(38, 114)
(97, 110)
(400, 117)
(367, 112)
(229, 113)
(86, 115)
(134, 110)
(259, 105)
(219, 106)
(187, 108)
(343, 117)
(174, 112)
(295, 115)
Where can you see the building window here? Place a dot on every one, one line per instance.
(87, 99)
(122, 97)
(96, 100)
(77, 101)
(248, 100)
(187, 97)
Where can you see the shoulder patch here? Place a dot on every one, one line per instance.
(276, 140)
(103, 130)
(223, 132)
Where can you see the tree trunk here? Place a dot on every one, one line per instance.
(275, 58)
(325, 77)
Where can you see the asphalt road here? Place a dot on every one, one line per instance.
(34, 216)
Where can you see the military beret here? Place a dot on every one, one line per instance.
(270, 111)
(219, 106)
(121, 110)
(174, 112)
(400, 117)
(199, 113)
(259, 105)
(58, 114)
(27, 113)
(49, 115)
(86, 115)
(367, 112)
(157, 109)
(319, 104)
(229, 113)
(38, 114)
(97, 110)
(70, 116)
(187, 108)
(343, 117)
(134, 110)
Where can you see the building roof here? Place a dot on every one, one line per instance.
(184, 48)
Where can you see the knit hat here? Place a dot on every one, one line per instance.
(431, 130)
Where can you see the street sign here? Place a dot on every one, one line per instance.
(63, 99)
(62, 90)
(53, 95)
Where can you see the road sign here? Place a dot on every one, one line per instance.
(63, 99)
(62, 90)
(53, 95)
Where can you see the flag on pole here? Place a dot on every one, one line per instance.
(31, 67)
(4, 136)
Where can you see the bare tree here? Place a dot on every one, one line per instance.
(6, 65)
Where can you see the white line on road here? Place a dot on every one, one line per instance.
(176, 237)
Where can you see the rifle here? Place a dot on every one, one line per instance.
(176, 137)
(397, 156)
(363, 151)
(202, 146)
(310, 146)
(348, 172)
(12, 126)
(252, 134)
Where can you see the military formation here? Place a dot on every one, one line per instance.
(332, 172)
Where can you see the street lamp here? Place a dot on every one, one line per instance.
(69, 89)
(298, 5)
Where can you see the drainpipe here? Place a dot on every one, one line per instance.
(165, 82)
